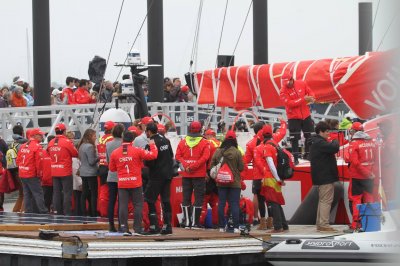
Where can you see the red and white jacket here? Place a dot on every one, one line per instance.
(29, 159)
(127, 162)
(362, 155)
(61, 150)
(193, 153)
(293, 99)
(102, 150)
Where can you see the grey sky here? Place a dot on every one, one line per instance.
(308, 29)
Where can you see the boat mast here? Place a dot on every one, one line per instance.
(260, 32)
(364, 28)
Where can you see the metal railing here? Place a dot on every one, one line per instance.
(81, 117)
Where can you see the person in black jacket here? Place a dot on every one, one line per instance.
(324, 173)
(160, 175)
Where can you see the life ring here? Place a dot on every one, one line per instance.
(244, 114)
(163, 119)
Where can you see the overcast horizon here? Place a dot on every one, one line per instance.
(79, 30)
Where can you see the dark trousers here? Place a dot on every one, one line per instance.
(89, 192)
(279, 216)
(62, 194)
(33, 195)
(112, 199)
(48, 196)
(156, 187)
(196, 185)
(232, 196)
(296, 126)
(136, 195)
(78, 202)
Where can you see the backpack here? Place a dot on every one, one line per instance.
(11, 156)
(285, 162)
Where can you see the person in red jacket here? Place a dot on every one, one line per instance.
(61, 150)
(211, 193)
(258, 199)
(47, 179)
(265, 160)
(127, 161)
(82, 95)
(193, 153)
(296, 96)
(30, 171)
(101, 151)
(67, 96)
(361, 157)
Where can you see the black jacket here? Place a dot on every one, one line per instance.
(161, 168)
(323, 161)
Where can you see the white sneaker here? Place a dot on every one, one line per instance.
(222, 230)
(236, 231)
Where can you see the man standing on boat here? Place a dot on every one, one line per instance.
(127, 162)
(160, 176)
(361, 158)
(193, 153)
(29, 161)
(296, 96)
(61, 150)
(324, 173)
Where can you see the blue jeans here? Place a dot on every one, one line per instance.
(232, 196)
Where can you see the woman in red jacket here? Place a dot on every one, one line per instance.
(82, 95)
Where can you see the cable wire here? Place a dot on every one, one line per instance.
(240, 35)
(193, 57)
(222, 30)
(387, 31)
(137, 35)
(373, 23)
(108, 58)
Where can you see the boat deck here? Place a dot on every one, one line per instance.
(88, 238)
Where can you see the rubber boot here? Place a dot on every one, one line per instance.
(270, 223)
(263, 224)
(153, 229)
(196, 218)
(167, 227)
(186, 217)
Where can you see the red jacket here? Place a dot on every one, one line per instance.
(29, 159)
(339, 137)
(101, 148)
(193, 153)
(261, 152)
(293, 99)
(127, 162)
(249, 155)
(362, 155)
(61, 151)
(280, 133)
(47, 178)
(69, 92)
(82, 96)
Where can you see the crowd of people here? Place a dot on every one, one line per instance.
(138, 164)
(83, 91)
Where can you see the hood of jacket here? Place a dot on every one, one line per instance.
(361, 135)
(345, 124)
(192, 141)
(19, 139)
(229, 154)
